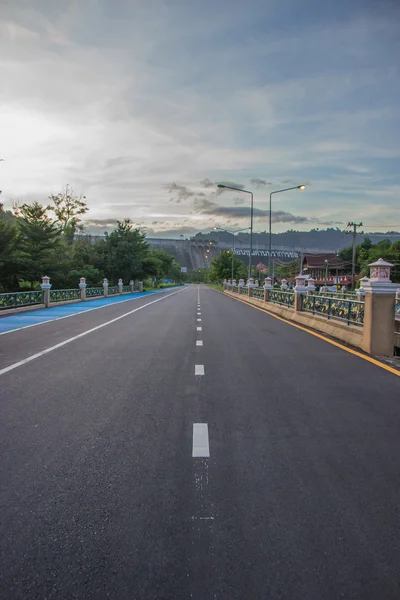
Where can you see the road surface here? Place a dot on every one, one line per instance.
(138, 464)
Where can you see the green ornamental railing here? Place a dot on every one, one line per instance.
(281, 297)
(64, 295)
(94, 291)
(351, 311)
(113, 289)
(339, 295)
(126, 289)
(16, 299)
(235, 288)
(258, 293)
(136, 287)
(397, 310)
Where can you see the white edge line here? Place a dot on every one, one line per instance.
(74, 314)
(83, 334)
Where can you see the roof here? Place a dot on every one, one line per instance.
(317, 261)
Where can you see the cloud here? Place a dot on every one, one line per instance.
(207, 183)
(179, 193)
(118, 106)
(260, 182)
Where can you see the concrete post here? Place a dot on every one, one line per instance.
(299, 290)
(140, 286)
(379, 317)
(105, 287)
(131, 283)
(310, 286)
(82, 285)
(46, 287)
(267, 288)
(120, 285)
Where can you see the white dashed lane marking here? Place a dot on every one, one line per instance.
(199, 342)
(199, 319)
(199, 369)
(199, 328)
(201, 446)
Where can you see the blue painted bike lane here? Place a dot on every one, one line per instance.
(44, 315)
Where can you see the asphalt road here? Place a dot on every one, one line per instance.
(288, 486)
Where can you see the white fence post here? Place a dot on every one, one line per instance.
(46, 287)
(82, 286)
(105, 287)
(120, 285)
(131, 283)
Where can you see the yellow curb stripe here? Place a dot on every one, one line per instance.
(318, 335)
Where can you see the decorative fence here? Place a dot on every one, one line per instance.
(47, 296)
(339, 295)
(14, 300)
(350, 311)
(258, 293)
(113, 289)
(397, 309)
(281, 297)
(64, 295)
(94, 292)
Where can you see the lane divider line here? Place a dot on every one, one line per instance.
(201, 445)
(199, 319)
(199, 369)
(83, 334)
(199, 342)
(199, 329)
(369, 359)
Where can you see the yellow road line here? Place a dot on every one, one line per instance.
(318, 335)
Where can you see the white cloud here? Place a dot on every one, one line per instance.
(123, 103)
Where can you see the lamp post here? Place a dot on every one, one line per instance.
(296, 187)
(326, 271)
(228, 187)
(233, 243)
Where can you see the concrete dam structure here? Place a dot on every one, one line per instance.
(197, 254)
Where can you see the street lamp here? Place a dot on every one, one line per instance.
(296, 187)
(228, 187)
(233, 244)
(326, 271)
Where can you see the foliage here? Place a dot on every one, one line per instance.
(221, 267)
(386, 250)
(67, 209)
(37, 240)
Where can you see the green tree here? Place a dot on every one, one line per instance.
(124, 252)
(67, 209)
(221, 267)
(38, 240)
(10, 257)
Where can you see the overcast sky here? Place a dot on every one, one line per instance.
(143, 105)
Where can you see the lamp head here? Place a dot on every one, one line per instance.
(302, 187)
(221, 185)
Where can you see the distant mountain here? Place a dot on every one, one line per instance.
(328, 240)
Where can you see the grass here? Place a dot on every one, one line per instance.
(215, 286)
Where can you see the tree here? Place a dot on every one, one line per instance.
(125, 249)
(221, 267)
(67, 210)
(38, 241)
(9, 256)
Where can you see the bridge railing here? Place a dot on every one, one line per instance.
(20, 299)
(350, 311)
(363, 319)
(46, 296)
